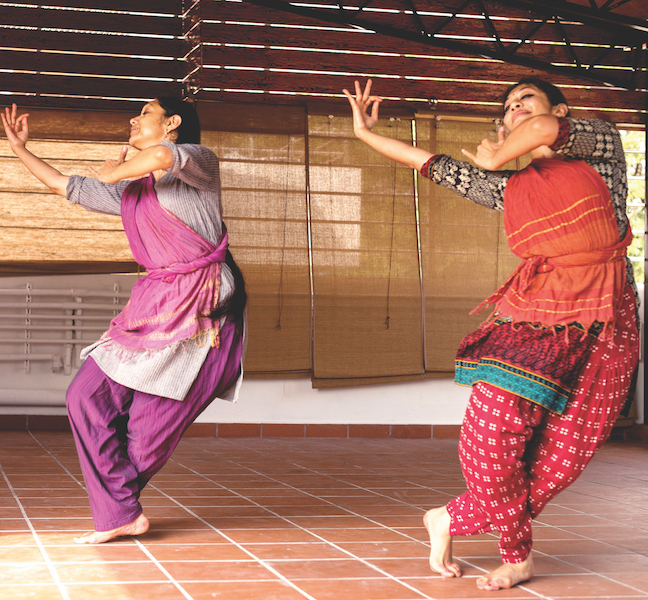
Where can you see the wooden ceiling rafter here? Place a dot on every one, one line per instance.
(109, 54)
(94, 54)
(245, 51)
(617, 30)
(596, 16)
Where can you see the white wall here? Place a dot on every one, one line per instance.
(430, 402)
(433, 401)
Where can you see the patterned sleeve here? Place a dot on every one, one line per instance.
(589, 140)
(194, 164)
(598, 143)
(482, 187)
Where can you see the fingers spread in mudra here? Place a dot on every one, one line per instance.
(16, 128)
(360, 103)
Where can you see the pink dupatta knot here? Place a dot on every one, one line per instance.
(173, 302)
(168, 274)
(559, 218)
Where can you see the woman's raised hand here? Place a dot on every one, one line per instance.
(485, 155)
(105, 171)
(360, 103)
(16, 128)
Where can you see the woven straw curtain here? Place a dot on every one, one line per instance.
(465, 253)
(42, 233)
(367, 295)
(364, 322)
(262, 161)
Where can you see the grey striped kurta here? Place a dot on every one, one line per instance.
(190, 190)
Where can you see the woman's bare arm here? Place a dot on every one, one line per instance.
(534, 134)
(17, 132)
(363, 123)
(149, 160)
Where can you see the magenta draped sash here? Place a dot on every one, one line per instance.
(173, 302)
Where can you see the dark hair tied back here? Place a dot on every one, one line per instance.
(189, 130)
(234, 306)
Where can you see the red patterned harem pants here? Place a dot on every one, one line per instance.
(517, 455)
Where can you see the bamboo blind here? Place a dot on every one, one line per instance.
(465, 252)
(353, 276)
(367, 303)
(43, 233)
(262, 160)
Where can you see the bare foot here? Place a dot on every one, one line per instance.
(136, 527)
(437, 523)
(507, 575)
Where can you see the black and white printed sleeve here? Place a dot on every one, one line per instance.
(598, 143)
(482, 187)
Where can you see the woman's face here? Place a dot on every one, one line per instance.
(527, 101)
(149, 128)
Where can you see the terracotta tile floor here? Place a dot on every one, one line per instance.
(286, 519)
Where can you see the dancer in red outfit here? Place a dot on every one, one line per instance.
(551, 369)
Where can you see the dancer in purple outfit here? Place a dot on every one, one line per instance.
(179, 342)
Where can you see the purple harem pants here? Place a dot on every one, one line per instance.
(124, 437)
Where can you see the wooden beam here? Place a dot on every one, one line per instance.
(446, 92)
(628, 27)
(632, 8)
(459, 44)
(57, 85)
(121, 45)
(510, 9)
(90, 21)
(358, 41)
(116, 66)
(371, 65)
(173, 7)
(471, 31)
(341, 104)
(126, 105)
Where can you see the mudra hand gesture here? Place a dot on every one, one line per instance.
(15, 127)
(109, 166)
(362, 119)
(486, 151)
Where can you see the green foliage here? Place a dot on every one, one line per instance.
(634, 144)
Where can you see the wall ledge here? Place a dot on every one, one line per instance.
(636, 433)
(258, 430)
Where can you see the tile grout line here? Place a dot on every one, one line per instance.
(355, 486)
(465, 561)
(351, 511)
(41, 547)
(156, 562)
(172, 580)
(417, 485)
(239, 546)
(295, 461)
(153, 559)
(286, 519)
(590, 571)
(297, 526)
(364, 453)
(373, 471)
(561, 528)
